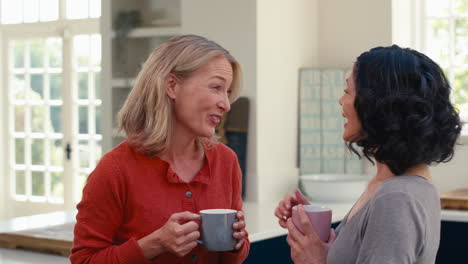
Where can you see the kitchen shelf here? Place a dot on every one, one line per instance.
(149, 32)
(122, 82)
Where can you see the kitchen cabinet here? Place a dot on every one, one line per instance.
(453, 243)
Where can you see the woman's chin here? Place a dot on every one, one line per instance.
(207, 134)
(346, 137)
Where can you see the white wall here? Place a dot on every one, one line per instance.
(348, 28)
(286, 38)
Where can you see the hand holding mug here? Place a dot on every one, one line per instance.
(306, 245)
(178, 235)
(239, 230)
(284, 209)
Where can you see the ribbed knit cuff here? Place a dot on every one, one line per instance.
(130, 252)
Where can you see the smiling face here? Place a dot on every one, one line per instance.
(200, 100)
(352, 126)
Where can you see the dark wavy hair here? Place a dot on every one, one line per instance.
(403, 103)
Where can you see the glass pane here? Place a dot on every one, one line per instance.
(97, 85)
(38, 183)
(56, 184)
(83, 119)
(18, 86)
(37, 151)
(12, 11)
(461, 41)
(57, 153)
(49, 10)
(19, 150)
(96, 50)
(37, 53)
(54, 48)
(438, 38)
(37, 118)
(461, 7)
(95, 8)
(461, 89)
(77, 9)
(82, 85)
(56, 118)
(19, 118)
(81, 49)
(437, 8)
(98, 119)
(98, 149)
(31, 10)
(20, 183)
(55, 86)
(84, 153)
(18, 54)
(37, 85)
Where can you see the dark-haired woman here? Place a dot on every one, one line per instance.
(397, 109)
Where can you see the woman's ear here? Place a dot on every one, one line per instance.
(171, 85)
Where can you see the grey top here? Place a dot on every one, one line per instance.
(399, 224)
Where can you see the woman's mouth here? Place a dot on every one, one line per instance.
(215, 119)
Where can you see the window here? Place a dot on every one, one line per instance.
(51, 64)
(445, 39)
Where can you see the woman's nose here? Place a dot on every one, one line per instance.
(224, 103)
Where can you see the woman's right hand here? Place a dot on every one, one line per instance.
(284, 209)
(178, 236)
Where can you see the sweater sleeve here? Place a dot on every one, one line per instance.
(240, 255)
(100, 214)
(394, 232)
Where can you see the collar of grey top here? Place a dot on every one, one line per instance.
(399, 177)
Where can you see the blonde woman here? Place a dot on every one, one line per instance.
(140, 204)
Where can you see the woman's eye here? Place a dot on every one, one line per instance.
(217, 87)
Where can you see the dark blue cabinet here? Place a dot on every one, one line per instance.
(273, 250)
(453, 243)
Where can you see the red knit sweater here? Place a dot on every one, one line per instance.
(129, 195)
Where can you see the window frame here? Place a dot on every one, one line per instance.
(65, 29)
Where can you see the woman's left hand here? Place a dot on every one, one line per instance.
(239, 230)
(307, 247)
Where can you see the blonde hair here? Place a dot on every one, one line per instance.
(147, 112)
